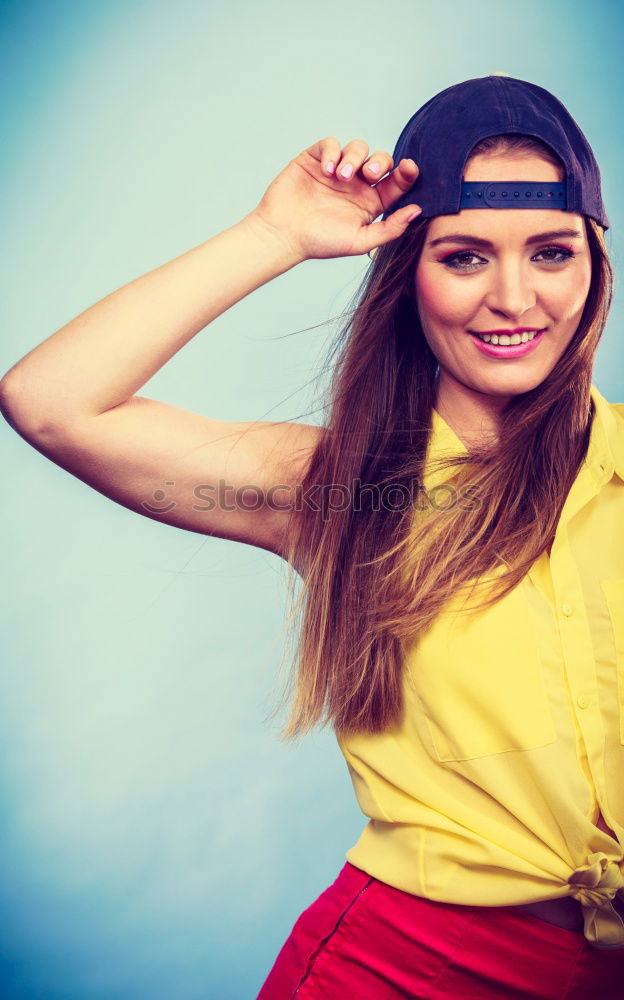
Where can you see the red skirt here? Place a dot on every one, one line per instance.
(365, 940)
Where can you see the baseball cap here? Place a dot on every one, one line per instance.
(440, 135)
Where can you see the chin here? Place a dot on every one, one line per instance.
(510, 386)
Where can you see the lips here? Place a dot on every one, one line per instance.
(507, 351)
(518, 329)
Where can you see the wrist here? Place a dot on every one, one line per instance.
(273, 239)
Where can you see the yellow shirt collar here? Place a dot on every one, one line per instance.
(605, 453)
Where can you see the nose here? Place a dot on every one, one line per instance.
(511, 292)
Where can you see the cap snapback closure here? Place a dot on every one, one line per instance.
(513, 194)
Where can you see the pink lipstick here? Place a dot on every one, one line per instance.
(509, 351)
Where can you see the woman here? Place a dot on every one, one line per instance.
(463, 583)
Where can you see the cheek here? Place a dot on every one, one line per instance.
(440, 299)
(573, 297)
(564, 300)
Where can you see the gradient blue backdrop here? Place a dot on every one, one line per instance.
(157, 839)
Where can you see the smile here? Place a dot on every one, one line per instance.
(504, 345)
(505, 339)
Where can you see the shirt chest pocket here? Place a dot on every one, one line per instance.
(614, 594)
(480, 682)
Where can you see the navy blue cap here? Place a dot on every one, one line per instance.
(441, 134)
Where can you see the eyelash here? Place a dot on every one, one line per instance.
(452, 260)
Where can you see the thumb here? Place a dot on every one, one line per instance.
(378, 233)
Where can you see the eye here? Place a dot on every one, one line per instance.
(468, 260)
(459, 261)
(562, 254)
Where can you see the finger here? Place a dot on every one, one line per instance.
(330, 154)
(378, 233)
(353, 156)
(327, 151)
(377, 165)
(402, 178)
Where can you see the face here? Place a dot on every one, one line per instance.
(509, 269)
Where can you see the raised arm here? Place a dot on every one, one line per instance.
(73, 397)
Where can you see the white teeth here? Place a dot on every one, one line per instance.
(505, 340)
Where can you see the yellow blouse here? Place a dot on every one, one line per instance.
(512, 736)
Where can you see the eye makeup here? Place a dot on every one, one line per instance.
(454, 258)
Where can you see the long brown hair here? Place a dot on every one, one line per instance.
(378, 570)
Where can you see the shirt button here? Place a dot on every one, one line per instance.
(567, 610)
(581, 701)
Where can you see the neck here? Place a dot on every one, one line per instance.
(474, 416)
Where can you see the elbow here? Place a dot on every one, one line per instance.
(18, 408)
(8, 395)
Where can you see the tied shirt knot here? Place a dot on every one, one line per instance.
(595, 885)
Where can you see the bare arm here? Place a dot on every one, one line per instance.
(103, 356)
(73, 397)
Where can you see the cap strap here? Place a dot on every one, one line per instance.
(513, 194)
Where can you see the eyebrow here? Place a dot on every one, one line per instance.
(465, 238)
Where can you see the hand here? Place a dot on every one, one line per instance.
(319, 213)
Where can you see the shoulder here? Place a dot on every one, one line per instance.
(616, 410)
(615, 434)
(605, 408)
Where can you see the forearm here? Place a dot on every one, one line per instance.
(103, 356)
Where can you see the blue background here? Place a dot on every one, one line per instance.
(158, 841)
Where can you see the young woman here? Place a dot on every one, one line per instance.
(456, 526)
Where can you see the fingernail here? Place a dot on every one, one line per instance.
(331, 166)
(347, 170)
(374, 167)
(416, 212)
